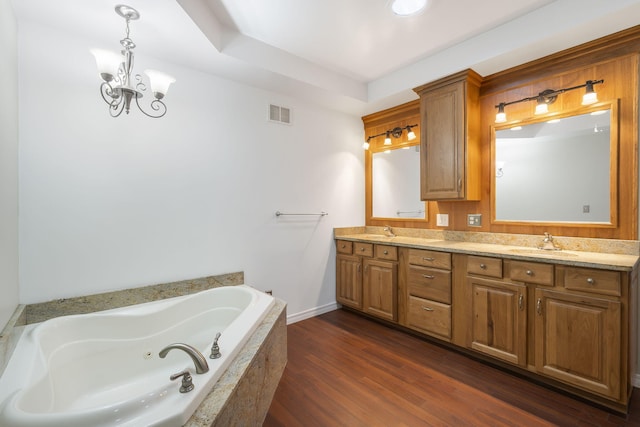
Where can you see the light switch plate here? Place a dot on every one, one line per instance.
(442, 220)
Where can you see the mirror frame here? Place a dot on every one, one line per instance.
(613, 164)
(378, 147)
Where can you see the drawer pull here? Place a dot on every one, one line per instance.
(428, 276)
(529, 273)
(483, 266)
(362, 249)
(591, 281)
(344, 246)
(428, 259)
(386, 252)
(539, 306)
(521, 302)
(427, 308)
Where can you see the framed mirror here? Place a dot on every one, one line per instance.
(393, 181)
(557, 170)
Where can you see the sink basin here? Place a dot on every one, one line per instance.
(542, 252)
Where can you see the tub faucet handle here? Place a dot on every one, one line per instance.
(187, 383)
(215, 349)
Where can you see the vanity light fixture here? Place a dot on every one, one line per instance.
(396, 132)
(117, 88)
(548, 97)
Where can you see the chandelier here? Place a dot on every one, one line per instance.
(119, 85)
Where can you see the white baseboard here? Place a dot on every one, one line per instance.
(312, 312)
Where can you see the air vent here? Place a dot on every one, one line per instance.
(279, 114)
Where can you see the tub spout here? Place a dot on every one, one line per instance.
(198, 359)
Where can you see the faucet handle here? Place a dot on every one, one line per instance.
(548, 237)
(215, 349)
(187, 381)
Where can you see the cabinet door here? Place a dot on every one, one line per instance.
(349, 280)
(443, 143)
(577, 341)
(380, 288)
(499, 319)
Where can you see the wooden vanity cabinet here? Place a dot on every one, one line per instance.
(579, 327)
(348, 275)
(427, 292)
(498, 318)
(367, 278)
(450, 140)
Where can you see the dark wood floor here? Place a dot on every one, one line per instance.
(346, 370)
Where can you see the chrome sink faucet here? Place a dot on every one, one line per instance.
(198, 359)
(548, 244)
(388, 231)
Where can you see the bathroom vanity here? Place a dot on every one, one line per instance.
(567, 318)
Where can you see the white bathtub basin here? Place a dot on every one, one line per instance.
(103, 369)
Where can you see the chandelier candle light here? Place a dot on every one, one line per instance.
(117, 88)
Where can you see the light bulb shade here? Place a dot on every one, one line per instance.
(589, 98)
(159, 82)
(542, 108)
(387, 141)
(411, 135)
(107, 62)
(501, 117)
(365, 145)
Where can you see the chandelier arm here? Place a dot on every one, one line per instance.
(156, 105)
(106, 90)
(116, 107)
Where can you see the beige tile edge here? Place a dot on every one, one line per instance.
(10, 335)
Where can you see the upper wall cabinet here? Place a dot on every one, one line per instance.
(450, 143)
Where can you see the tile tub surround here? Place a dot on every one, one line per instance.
(243, 394)
(585, 252)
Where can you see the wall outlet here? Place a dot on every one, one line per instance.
(442, 220)
(474, 220)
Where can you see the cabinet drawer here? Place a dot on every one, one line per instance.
(430, 258)
(590, 280)
(429, 316)
(363, 249)
(484, 266)
(429, 283)
(387, 252)
(531, 272)
(344, 247)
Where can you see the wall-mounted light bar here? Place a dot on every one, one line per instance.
(396, 132)
(548, 97)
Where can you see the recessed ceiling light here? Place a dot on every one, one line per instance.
(408, 7)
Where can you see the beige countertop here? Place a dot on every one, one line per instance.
(602, 260)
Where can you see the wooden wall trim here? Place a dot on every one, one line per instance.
(602, 49)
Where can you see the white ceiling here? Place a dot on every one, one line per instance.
(351, 55)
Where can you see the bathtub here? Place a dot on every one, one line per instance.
(103, 369)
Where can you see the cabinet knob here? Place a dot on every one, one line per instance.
(344, 246)
(386, 252)
(361, 249)
(483, 266)
(529, 273)
(591, 281)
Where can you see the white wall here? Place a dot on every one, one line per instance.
(116, 203)
(8, 162)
